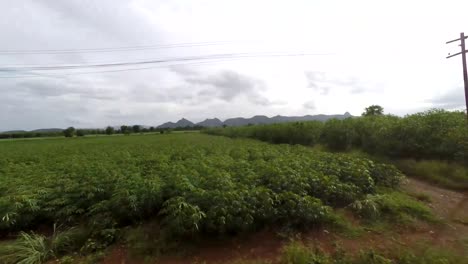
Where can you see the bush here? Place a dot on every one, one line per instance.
(298, 211)
(180, 217)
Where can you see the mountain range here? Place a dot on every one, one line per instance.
(42, 130)
(215, 122)
(255, 120)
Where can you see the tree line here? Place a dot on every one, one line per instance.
(109, 130)
(434, 134)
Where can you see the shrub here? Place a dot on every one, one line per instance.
(300, 211)
(180, 217)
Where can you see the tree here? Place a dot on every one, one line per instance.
(69, 132)
(109, 130)
(124, 129)
(136, 128)
(80, 133)
(151, 129)
(373, 110)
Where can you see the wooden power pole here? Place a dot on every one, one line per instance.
(465, 73)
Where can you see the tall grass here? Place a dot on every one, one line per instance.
(32, 248)
(27, 249)
(449, 174)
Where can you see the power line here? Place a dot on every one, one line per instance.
(117, 64)
(115, 49)
(216, 57)
(118, 70)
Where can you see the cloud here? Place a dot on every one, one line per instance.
(310, 105)
(357, 90)
(318, 82)
(57, 88)
(183, 70)
(324, 83)
(225, 85)
(108, 17)
(453, 99)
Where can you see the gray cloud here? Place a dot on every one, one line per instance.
(225, 85)
(453, 99)
(357, 90)
(318, 82)
(108, 17)
(322, 83)
(309, 105)
(56, 88)
(183, 70)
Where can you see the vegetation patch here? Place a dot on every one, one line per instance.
(32, 248)
(191, 184)
(395, 207)
(297, 252)
(448, 174)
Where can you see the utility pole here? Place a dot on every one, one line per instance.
(465, 73)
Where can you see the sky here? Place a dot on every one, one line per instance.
(347, 55)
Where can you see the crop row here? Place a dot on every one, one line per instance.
(191, 183)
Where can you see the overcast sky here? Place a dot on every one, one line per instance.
(390, 53)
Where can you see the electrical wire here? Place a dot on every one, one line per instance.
(165, 62)
(156, 61)
(115, 49)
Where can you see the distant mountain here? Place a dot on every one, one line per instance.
(167, 125)
(13, 131)
(213, 122)
(47, 130)
(181, 123)
(43, 130)
(255, 120)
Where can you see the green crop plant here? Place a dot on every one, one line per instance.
(189, 183)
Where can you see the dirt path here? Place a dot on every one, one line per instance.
(450, 206)
(445, 203)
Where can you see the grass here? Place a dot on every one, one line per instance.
(32, 248)
(446, 174)
(394, 207)
(27, 249)
(298, 253)
(423, 197)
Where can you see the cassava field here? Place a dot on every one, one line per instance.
(175, 198)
